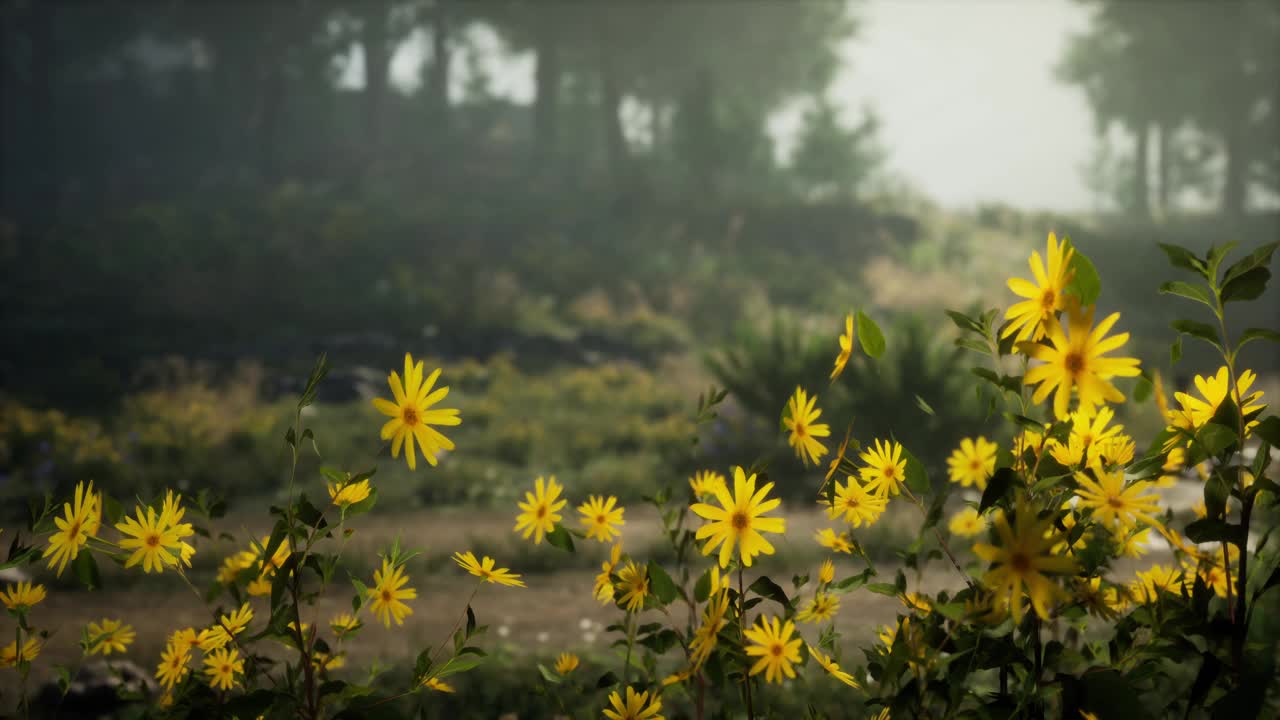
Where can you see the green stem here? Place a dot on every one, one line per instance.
(631, 637)
(742, 638)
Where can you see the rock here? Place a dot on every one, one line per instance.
(96, 690)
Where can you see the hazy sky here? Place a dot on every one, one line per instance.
(965, 91)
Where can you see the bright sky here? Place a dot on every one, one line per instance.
(965, 91)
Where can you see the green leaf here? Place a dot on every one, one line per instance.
(1251, 334)
(1214, 259)
(702, 589)
(917, 477)
(1256, 259)
(1175, 351)
(1085, 283)
(318, 371)
(86, 569)
(1142, 389)
(997, 488)
(607, 680)
(1107, 693)
(547, 674)
(1269, 430)
(660, 583)
(920, 403)
(1212, 530)
(1216, 492)
(869, 336)
(767, 588)
(559, 537)
(1215, 438)
(1204, 331)
(1248, 286)
(1181, 257)
(883, 589)
(964, 322)
(1198, 293)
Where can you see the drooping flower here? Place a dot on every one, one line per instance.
(412, 416)
(967, 523)
(221, 667)
(713, 621)
(107, 637)
(1114, 505)
(739, 520)
(822, 607)
(538, 512)
(886, 468)
(704, 483)
(1074, 359)
(916, 602)
(10, 655)
(343, 624)
(22, 596)
(1021, 561)
(633, 586)
(73, 528)
(858, 506)
(638, 706)
(1044, 297)
(438, 685)
(804, 430)
(832, 668)
(839, 542)
(600, 518)
(973, 462)
(826, 572)
(604, 585)
(846, 347)
(566, 663)
(771, 642)
(349, 493)
(485, 570)
(388, 592)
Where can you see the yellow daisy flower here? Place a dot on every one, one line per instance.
(237, 621)
(800, 418)
(566, 663)
(637, 707)
(347, 494)
(633, 584)
(213, 638)
(10, 656)
(1197, 411)
(1101, 601)
(1149, 583)
(107, 637)
(411, 414)
(973, 462)
(387, 593)
(22, 596)
(886, 468)
(601, 518)
(186, 638)
(1021, 560)
(772, 643)
(221, 667)
(822, 607)
(917, 603)
(1074, 359)
(173, 665)
(73, 528)
(539, 515)
(832, 668)
(343, 624)
(967, 523)
(704, 483)
(828, 538)
(438, 685)
(858, 506)
(604, 585)
(739, 520)
(1114, 505)
(846, 347)
(155, 543)
(713, 621)
(826, 572)
(485, 570)
(1044, 297)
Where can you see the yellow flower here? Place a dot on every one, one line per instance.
(599, 517)
(826, 572)
(539, 509)
(704, 483)
(917, 602)
(221, 667)
(1196, 412)
(967, 523)
(387, 593)
(173, 665)
(973, 462)
(154, 541)
(259, 586)
(10, 656)
(1171, 471)
(324, 662)
(171, 516)
(237, 621)
(800, 418)
(846, 347)
(738, 520)
(566, 663)
(73, 528)
(604, 585)
(1114, 505)
(633, 584)
(186, 638)
(858, 506)
(1135, 544)
(1074, 359)
(676, 678)
(485, 569)
(772, 643)
(1149, 583)
(1115, 451)
(233, 564)
(344, 624)
(1044, 297)
(833, 668)
(828, 538)
(713, 621)
(834, 465)
(23, 596)
(108, 637)
(213, 638)
(411, 416)
(637, 707)
(886, 469)
(347, 494)
(438, 685)
(822, 607)
(1090, 432)
(1103, 602)
(1021, 559)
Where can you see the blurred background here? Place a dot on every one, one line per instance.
(587, 213)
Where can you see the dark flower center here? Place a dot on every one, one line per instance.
(739, 520)
(1074, 363)
(409, 415)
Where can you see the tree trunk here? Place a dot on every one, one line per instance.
(438, 72)
(610, 118)
(1142, 201)
(1164, 145)
(1233, 187)
(376, 57)
(546, 112)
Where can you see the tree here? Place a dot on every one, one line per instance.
(830, 159)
